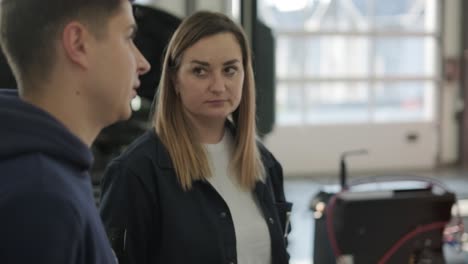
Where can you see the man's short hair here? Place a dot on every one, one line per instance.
(30, 28)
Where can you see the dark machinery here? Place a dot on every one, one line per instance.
(387, 219)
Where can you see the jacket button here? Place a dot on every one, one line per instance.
(223, 214)
(271, 220)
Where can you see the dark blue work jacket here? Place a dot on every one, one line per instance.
(151, 219)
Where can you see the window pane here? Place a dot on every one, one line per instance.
(359, 40)
(318, 15)
(405, 56)
(322, 56)
(289, 103)
(290, 15)
(290, 60)
(406, 15)
(404, 101)
(340, 15)
(337, 102)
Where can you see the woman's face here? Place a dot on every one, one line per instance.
(210, 78)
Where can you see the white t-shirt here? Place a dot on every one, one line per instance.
(252, 236)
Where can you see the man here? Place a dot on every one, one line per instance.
(77, 70)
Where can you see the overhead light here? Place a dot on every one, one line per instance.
(290, 5)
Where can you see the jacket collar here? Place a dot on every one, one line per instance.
(165, 162)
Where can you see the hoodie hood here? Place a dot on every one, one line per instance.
(26, 129)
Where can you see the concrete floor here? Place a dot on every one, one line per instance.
(300, 191)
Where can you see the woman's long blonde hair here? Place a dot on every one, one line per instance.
(172, 125)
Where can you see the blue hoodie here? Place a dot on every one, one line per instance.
(47, 209)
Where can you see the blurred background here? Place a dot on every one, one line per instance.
(386, 76)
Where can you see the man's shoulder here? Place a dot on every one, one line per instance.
(35, 172)
(50, 228)
(34, 163)
(25, 173)
(44, 182)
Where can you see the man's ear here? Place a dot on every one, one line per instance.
(76, 42)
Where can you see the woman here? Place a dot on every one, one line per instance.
(198, 187)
